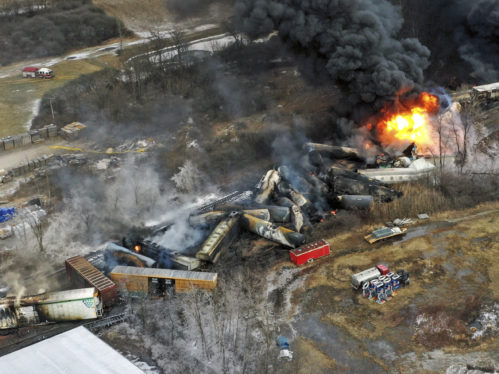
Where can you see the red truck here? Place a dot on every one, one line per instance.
(83, 274)
(309, 252)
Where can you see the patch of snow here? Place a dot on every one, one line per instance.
(35, 108)
(204, 27)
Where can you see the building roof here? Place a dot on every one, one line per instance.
(76, 351)
(30, 68)
(165, 273)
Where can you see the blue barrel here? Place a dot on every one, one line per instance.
(396, 282)
(387, 285)
(380, 292)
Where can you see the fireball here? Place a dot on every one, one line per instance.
(408, 121)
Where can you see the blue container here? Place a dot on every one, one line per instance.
(7, 213)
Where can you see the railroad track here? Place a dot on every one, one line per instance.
(106, 322)
(234, 196)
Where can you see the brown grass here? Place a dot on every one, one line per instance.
(416, 199)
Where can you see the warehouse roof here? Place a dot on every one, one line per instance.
(75, 351)
(165, 273)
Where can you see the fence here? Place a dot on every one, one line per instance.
(28, 138)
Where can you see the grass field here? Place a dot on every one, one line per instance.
(20, 96)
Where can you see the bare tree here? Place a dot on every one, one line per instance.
(37, 228)
(180, 44)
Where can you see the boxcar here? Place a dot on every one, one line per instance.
(82, 273)
(155, 282)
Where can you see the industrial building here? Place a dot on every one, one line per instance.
(75, 351)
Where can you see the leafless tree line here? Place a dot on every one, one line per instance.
(229, 330)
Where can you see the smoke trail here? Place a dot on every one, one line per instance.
(351, 42)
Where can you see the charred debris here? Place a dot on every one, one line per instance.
(283, 207)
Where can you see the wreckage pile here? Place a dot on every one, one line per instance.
(286, 202)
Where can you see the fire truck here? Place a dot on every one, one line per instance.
(34, 72)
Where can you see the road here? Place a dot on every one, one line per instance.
(19, 98)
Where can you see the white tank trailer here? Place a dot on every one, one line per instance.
(364, 277)
(72, 305)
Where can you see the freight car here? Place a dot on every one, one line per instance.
(155, 282)
(309, 252)
(82, 273)
(72, 305)
(164, 257)
(221, 237)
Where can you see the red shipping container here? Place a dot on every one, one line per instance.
(83, 274)
(309, 252)
(382, 269)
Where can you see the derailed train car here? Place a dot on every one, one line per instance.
(221, 237)
(71, 305)
(141, 282)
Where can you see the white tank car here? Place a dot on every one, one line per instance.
(72, 305)
(83, 303)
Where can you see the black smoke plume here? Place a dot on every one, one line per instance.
(350, 42)
(463, 37)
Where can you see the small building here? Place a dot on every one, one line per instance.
(30, 72)
(155, 282)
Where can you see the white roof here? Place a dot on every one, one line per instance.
(75, 351)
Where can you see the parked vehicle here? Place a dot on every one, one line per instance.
(309, 252)
(384, 233)
(284, 353)
(45, 73)
(359, 279)
(35, 72)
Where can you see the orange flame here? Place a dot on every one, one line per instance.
(137, 248)
(408, 120)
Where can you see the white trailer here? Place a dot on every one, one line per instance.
(364, 276)
(72, 305)
(83, 303)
